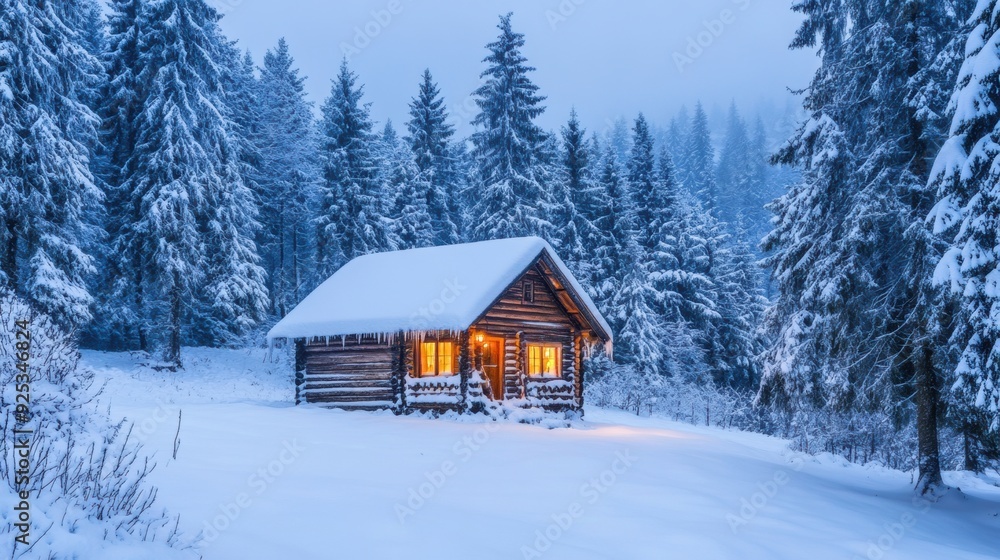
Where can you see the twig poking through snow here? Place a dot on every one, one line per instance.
(177, 436)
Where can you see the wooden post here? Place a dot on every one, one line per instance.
(578, 381)
(509, 367)
(478, 353)
(464, 370)
(521, 357)
(399, 371)
(300, 369)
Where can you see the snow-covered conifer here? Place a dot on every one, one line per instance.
(510, 179)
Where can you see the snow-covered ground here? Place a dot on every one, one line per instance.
(264, 479)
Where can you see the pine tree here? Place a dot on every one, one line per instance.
(119, 323)
(699, 161)
(47, 134)
(236, 285)
(429, 135)
(965, 215)
(763, 184)
(733, 342)
(676, 140)
(734, 171)
(643, 186)
(196, 219)
(287, 145)
(622, 283)
(577, 199)
(851, 335)
(409, 190)
(614, 221)
(686, 294)
(511, 197)
(640, 331)
(352, 220)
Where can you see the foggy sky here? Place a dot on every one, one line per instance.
(607, 59)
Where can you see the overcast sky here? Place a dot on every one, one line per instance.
(607, 58)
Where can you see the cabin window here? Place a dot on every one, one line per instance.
(437, 358)
(544, 360)
(528, 292)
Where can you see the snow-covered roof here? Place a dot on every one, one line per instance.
(432, 289)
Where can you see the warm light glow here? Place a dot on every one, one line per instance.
(428, 356)
(543, 360)
(445, 359)
(437, 358)
(479, 338)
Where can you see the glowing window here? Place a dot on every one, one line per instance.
(437, 358)
(544, 360)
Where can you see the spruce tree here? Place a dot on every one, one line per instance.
(643, 185)
(288, 174)
(734, 171)
(408, 189)
(855, 320)
(577, 197)
(48, 132)
(236, 285)
(620, 139)
(352, 219)
(676, 140)
(966, 217)
(699, 161)
(119, 321)
(510, 182)
(429, 137)
(196, 219)
(615, 222)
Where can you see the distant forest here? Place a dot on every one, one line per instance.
(826, 274)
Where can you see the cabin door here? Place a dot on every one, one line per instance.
(493, 366)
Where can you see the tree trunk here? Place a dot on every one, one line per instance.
(279, 294)
(464, 370)
(929, 461)
(143, 343)
(295, 269)
(971, 457)
(174, 347)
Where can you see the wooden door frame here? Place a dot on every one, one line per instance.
(488, 338)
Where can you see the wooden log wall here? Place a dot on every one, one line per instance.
(369, 373)
(300, 369)
(544, 320)
(351, 373)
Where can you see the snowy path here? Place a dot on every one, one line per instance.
(341, 485)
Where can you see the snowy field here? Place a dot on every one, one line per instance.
(260, 478)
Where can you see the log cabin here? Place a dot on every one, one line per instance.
(470, 328)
